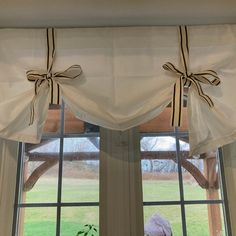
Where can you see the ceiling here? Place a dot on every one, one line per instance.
(91, 13)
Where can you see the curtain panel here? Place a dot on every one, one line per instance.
(8, 169)
(114, 78)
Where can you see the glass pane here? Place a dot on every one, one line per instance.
(205, 220)
(200, 174)
(81, 170)
(73, 219)
(37, 221)
(40, 171)
(159, 169)
(52, 123)
(72, 124)
(160, 220)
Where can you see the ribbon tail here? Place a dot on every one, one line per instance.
(177, 103)
(32, 110)
(204, 96)
(32, 103)
(55, 92)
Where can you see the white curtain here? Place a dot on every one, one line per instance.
(229, 155)
(121, 207)
(8, 167)
(123, 83)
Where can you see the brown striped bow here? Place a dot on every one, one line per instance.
(49, 78)
(187, 79)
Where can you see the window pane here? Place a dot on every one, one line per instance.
(37, 221)
(81, 170)
(73, 219)
(41, 171)
(160, 218)
(205, 220)
(159, 169)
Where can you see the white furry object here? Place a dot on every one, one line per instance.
(157, 226)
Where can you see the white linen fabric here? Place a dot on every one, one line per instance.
(8, 169)
(123, 83)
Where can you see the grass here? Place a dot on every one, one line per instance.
(42, 221)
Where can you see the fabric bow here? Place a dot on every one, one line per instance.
(186, 79)
(49, 78)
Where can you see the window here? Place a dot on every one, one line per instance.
(58, 189)
(183, 193)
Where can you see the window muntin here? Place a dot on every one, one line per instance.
(59, 171)
(189, 182)
(177, 198)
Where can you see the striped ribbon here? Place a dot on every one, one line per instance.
(49, 78)
(187, 79)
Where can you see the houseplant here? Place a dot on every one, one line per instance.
(88, 230)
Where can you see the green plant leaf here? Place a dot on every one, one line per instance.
(80, 232)
(88, 229)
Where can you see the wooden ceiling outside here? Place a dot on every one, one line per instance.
(73, 125)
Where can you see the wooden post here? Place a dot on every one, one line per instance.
(212, 193)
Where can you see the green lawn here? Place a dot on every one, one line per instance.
(41, 221)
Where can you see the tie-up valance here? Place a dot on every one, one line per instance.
(186, 79)
(114, 77)
(48, 77)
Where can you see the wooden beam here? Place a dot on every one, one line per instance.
(162, 122)
(196, 173)
(52, 123)
(50, 159)
(80, 156)
(73, 125)
(30, 147)
(212, 193)
(67, 156)
(37, 173)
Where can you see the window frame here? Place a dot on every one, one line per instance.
(182, 202)
(61, 135)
